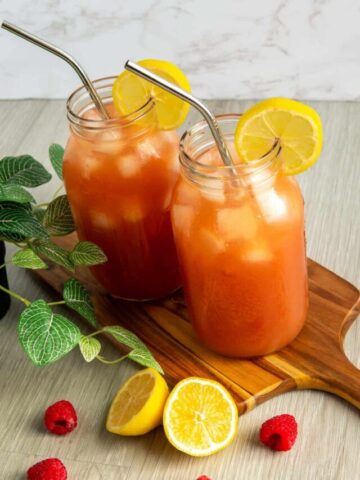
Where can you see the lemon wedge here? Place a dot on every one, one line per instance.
(200, 417)
(138, 406)
(131, 92)
(297, 126)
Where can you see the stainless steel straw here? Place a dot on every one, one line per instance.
(187, 97)
(65, 56)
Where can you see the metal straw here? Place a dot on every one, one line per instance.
(187, 97)
(65, 56)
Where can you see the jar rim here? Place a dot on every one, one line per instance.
(223, 171)
(120, 121)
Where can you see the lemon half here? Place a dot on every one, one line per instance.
(138, 406)
(200, 417)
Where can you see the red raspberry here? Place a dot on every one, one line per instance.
(49, 469)
(60, 418)
(203, 477)
(279, 433)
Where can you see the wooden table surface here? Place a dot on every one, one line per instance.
(329, 428)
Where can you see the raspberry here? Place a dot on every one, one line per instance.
(49, 469)
(203, 477)
(279, 433)
(60, 418)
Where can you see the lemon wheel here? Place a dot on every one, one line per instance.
(131, 92)
(297, 126)
(200, 417)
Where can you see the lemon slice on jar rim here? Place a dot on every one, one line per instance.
(131, 92)
(296, 125)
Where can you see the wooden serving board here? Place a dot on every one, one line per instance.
(314, 360)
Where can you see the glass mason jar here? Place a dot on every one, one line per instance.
(241, 247)
(119, 176)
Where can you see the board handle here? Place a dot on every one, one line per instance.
(344, 380)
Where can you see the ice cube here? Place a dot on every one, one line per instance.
(147, 148)
(187, 193)
(90, 165)
(211, 242)
(233, 153)
(213, 190)
(132, 211)
(167, 200)
(171, 157)
(210, 157)
(110, 135)
(182, 217)
(271, 205)
(258, 177)
(129, 165)
(238, 223)
(102, 221)
(91, 114)
(257, 251)
(109, 142)
(168, 137)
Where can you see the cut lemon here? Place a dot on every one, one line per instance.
(298, 127)
(131, 92)
(138, 406)
(200, 417)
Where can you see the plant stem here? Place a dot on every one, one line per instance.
(60, 302)
(39, 205)
(15, 295)
(94, 333)
(20, 245)
(3, 265)
(58, 191)
(111, 362)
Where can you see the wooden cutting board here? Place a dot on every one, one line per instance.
(314, 360)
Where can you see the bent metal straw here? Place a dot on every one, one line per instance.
(187, 97)
(65, 56)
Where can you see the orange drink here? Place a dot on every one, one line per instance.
(240, 240)
(119, 176)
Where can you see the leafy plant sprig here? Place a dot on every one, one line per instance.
(47, 336)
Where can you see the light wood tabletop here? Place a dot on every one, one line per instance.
(328, 427)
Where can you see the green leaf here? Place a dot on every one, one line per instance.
(145, 358)
(27, 258)
(46, 336)
(23, 170)
(53, 252)
(87, 253)
(58, 218)
(19, 222)
(140, 353)
(13, 237)
(15, 206)
(15, 193)
(39, 213)
(56, 154)
(89, 347)
(78, 298)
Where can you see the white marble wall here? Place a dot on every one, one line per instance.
(228, 48)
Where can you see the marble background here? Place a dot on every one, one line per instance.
(307, 49)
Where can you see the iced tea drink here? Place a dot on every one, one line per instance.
(119, 176)
(241, 247)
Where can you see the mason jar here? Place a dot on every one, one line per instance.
(239, 234)
(119, 176)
